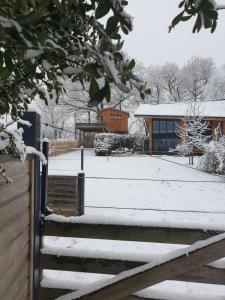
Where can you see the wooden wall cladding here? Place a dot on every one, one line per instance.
(15, 235)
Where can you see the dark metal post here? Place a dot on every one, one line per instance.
(31, 138)
(82, 157)
(80, 193)
(44, 181)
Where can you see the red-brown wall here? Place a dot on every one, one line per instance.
(116, 120)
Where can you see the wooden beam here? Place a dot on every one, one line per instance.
(52, 294)
(205, 274)
(126, 233)
(89, 265)
(184, 261)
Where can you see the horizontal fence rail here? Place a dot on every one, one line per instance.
(127, 233)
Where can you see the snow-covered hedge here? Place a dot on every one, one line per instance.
(106, 143)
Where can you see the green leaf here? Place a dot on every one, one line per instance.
(102, 9)
(186, 18)
(198, 24)
(177, 19)
(5, 73)
(108, 92)
(207, 22)
(131, 64)
(94, 89)
(111, 26)
(181, 4)
(125, 29)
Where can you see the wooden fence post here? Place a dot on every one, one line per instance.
(82, 157)
(80, 193)
(31, 138)
(44, 181)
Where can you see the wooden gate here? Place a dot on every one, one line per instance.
(189, 264)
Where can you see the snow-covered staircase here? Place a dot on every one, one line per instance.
(95, 257)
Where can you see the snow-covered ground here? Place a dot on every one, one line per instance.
(185, 197)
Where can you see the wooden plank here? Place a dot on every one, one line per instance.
(18, 289)
(12, 253)
(12, 278)
(13, 210)
(126, 233)
(205, 274)
(13, 230)
(15, 167)
(141, 278)
(51, 294)
(89, 265)
(19, 186)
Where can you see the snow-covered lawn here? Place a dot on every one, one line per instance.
(184, 200)
(134, 199)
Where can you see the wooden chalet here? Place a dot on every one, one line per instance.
(162, 121)
(108, 120)
(114, 119)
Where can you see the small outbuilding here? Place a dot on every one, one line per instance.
(114, 119)
(162, 121)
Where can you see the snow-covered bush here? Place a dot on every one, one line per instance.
(11, 142)
(106, 143)
(213, 159)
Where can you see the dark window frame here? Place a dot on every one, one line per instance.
(163, 129)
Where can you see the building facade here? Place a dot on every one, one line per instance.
(163, 122)
(115, 120)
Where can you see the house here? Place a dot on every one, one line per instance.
(114, 119)
(162, 121)
(108, 120)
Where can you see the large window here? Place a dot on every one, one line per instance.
(165, 135)
(165, 126)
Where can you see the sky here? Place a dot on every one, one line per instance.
(150, 42)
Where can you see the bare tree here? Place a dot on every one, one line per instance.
(193, 132)
(155, 80)
(172, 82)
(195, 75)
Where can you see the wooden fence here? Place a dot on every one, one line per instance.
(16, 225)
(62, 194)
(62, 147)
(181, 267)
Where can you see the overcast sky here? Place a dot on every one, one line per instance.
(150, 42)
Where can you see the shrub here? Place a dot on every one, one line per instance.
(106, 143)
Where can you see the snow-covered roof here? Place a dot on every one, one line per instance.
(214, 109)
(115, 109)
